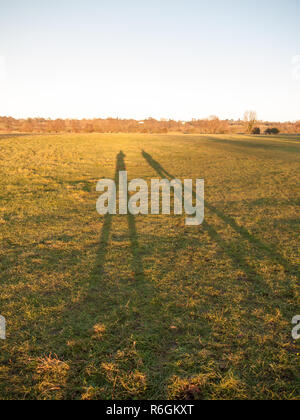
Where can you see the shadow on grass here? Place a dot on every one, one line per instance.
(10, 136)
(257, 243)
(260, 143)
(111, 304)
(138, 340)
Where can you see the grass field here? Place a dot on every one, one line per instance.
(145, 307)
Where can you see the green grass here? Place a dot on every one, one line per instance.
(145, 307)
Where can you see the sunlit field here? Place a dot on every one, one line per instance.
(124, 307)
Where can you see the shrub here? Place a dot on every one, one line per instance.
(275, 130)
(256, 130)
(272, 131)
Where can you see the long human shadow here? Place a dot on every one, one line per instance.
(95, 303)
(266, 249)
(258, 282)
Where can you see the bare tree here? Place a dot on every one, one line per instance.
(250, 118)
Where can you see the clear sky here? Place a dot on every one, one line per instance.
(178, 59)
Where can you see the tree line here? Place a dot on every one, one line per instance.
(212, 125)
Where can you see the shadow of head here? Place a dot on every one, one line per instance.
(121, 161)
(121, 155)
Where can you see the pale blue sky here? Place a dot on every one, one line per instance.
(177, 59)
